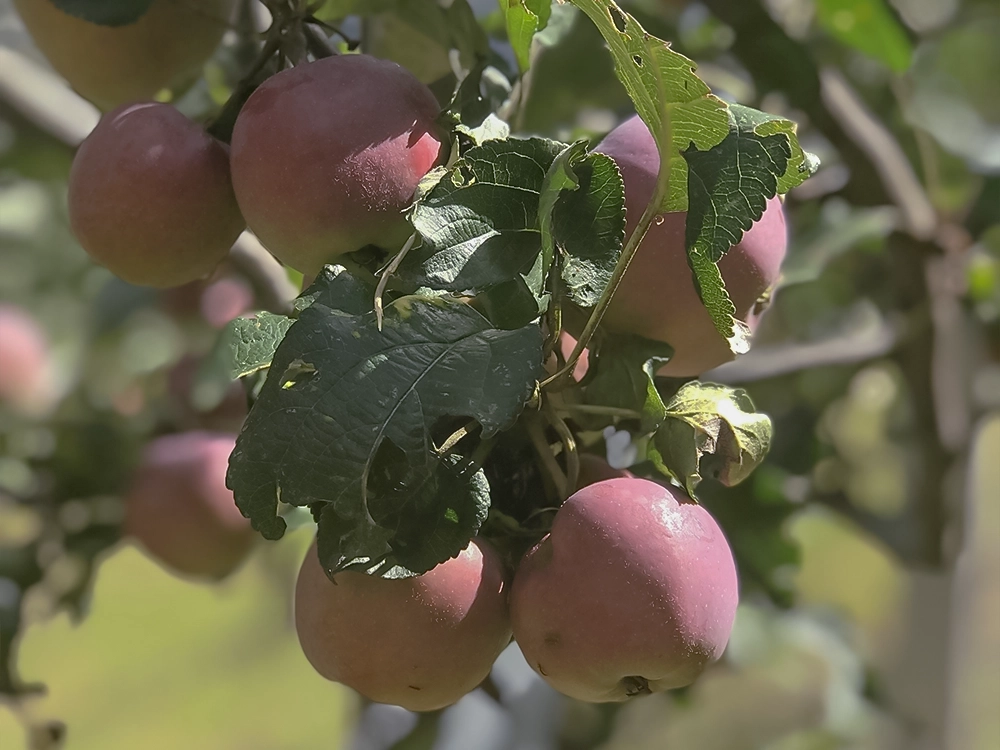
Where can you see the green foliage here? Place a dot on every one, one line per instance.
(868, 26)
(105, 12)
(369, 401)
(710, 430)
(524, 19)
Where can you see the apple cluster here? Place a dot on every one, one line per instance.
(633, 591)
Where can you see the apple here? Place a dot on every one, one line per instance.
(179, 509)
(25, 368)
(657, 298)
(420, 643)
(150, 197)
(633, 591)
(110, 66)
(326, 156)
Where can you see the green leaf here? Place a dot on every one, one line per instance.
(347, 414)
(625, 367)
(336, 288)
(524, 19)
(105, 12)
(561, 175)
(252, 341)
(712, 430)
(869, 27)
(590, 228)
(479, 224)
(674, 103)
(728, 189)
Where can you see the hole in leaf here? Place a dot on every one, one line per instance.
(637, 60)
(617, 17)
(298, 372)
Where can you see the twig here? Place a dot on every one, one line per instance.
(604, 411)
(275, 291)
(384, 278)
(892, 165)
(652, 209)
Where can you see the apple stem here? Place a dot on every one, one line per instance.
(636, 685)
(569, 444)
(628, 252)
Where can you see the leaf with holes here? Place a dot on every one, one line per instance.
(728, 189)
(348, 413)
(710, 430)
(676, 105)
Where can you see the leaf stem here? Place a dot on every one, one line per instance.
(628, 252)
(537, 435)
(569, 443)
(384, 278)
(605, 411)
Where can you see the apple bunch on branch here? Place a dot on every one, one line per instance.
(483, 306)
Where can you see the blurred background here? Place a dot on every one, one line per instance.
(868, 543)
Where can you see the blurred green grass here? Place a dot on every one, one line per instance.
(163, 663)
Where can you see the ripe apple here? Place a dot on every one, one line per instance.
(109, 66)
(633, 591)
(327, 155)
(657, 298)
(179, 509)
(150, 196)
(25, 368)
(420, 643)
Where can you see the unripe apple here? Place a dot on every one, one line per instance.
(657, 298)
(327, 155)
(25, 368)
(109, 66)
(179, 508)
(150, 196)
(633, 591)
(420, 643)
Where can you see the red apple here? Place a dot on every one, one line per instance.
(25, 369)
(327, 155)
(179, 508)
(633, 591)
(150, 197)
(657, 297)
(420, 643)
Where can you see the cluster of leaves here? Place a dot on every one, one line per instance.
(382, 405)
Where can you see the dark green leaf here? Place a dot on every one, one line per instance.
(625, 367)
(340, 393)
(590, 229)
(728, 189)
(479, 224)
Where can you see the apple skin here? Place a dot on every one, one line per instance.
(109, 66)
(179, 509)
(634, 590)
(420, 643)
(326, 156)
(657, 298)
(150, 197)
(25, 368)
